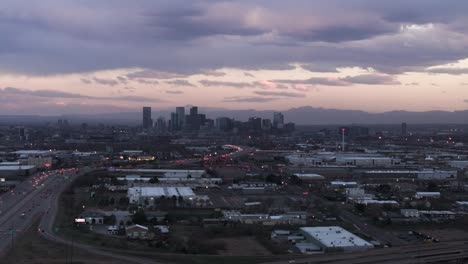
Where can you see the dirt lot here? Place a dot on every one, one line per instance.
(30, 248)
(445, 234)
(243, 246)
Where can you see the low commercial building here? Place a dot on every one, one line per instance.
(410, 213)
(140, 194)
(309, 176)
(438, 215)
(16, 171)
(462, 205)
(92, 217)
(459, 164)
(343, 184)
(161, 173)
(422, 195)
(334, 238)
(136, 232)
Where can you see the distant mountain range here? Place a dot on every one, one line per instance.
(302, 116)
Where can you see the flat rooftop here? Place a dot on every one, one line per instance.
(335, 236)
(161, 191)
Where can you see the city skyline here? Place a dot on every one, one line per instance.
(370, 57)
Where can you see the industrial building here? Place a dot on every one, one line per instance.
(334, 238)
(139, 194)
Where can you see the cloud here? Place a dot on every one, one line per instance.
(280, 94)
(86, 81)
(451, 71)
(316, 81)
(40, 93)
(180, 37)
(209, 83)
(174, 92)
(213, 73)
(464, 84)
(147, 82)
(108, 82)
(122, 79)
(180, 83)
(244, 99)
(372, 79)
(153, 74)
(249, 75)
(319, 68)
(51, 94)
(412, 84)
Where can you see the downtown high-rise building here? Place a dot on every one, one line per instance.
(404, 129)
(278, 120)
(147, 121)
(180, 113)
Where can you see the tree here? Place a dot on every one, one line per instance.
(139, 217)
(360, 207)
(295, 180)
(154, 180)
(432, 186)
(384, 189)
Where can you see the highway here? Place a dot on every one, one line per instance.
(37, 196)
(21, 205)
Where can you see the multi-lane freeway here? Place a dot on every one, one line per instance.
(29, 199)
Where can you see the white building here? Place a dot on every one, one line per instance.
(139, 194)
(163, 173)
(459, 164)
(410, 213)
(436, 175)
(335, 238)
(421, 195)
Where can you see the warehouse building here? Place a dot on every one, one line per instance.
(140, 194)
(334, 239)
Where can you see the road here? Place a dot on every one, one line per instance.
(21, 205)
(37, 196)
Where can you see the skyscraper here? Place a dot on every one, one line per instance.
(404, 129)
(147, 121)
(278, 120)
(194, 111)
(173, 122)
(180, 112)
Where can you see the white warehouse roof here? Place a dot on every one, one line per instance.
(160, 191)
(335, 236)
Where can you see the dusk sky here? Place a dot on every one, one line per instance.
(88, 56)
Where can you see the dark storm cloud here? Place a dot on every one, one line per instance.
(247, 99)
(180, 37)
